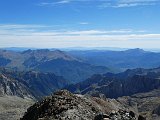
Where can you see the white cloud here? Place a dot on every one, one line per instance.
(83, 23)
(19, 26)
(54, 3)
(43, 30)
(33, 36)
(105, 3)
(63, 2)
(128, 3)
(128, 41)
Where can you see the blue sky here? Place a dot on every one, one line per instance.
(80, 23)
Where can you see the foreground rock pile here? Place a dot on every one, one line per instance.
(64, 105)
(119, 115)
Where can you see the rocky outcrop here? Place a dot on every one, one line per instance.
(146, 104)
(64, 105)
(119, 115)
(10, 86)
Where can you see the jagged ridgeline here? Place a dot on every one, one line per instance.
(137, 88)
(127, 83)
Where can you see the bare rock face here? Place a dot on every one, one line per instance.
(29, 84)
(13, 87)
(64, 105)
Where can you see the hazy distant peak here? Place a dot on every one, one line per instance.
(26, 51)
(136, 50)
(33, 51)
(46, 54)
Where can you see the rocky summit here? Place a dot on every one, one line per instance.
(63, 105)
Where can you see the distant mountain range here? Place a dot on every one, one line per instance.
(76, 66)
(132, 58)
(56, 61)
(21, 49)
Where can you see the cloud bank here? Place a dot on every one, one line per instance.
(35, 36)
(105, 3)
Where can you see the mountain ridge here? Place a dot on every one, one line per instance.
(58, 62)
(31, 84)
(123, 59)
(121, 84)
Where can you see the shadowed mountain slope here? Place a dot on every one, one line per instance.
(29, 84)
(115, 85)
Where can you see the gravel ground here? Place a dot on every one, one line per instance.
(12, 107)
